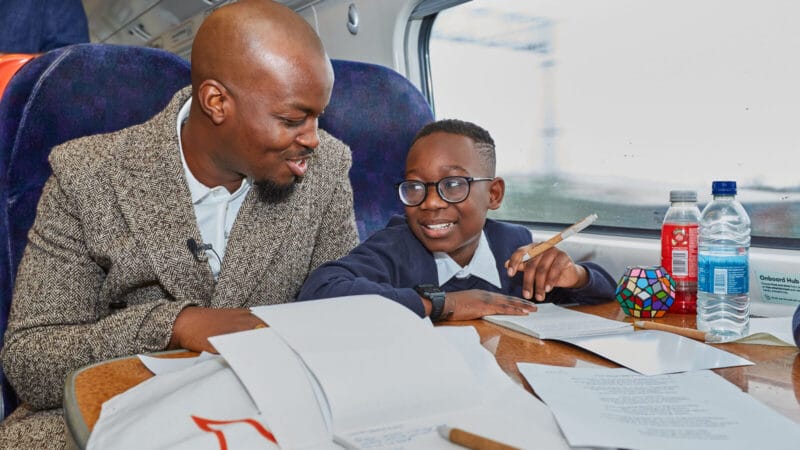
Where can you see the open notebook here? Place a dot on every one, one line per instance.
(648, 352)
(554, 322)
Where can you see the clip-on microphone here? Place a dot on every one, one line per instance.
(198, 250)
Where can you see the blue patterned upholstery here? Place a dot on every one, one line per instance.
(377, 112)
(87, 89)
(70, 92)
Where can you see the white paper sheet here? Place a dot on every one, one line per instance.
(652, 352)
(648, 352)
(161, 366)
(163, 411)
(769, 331)
(551, 321)
(399, 359)
(694, 410)
(509, 413)
(279, 385)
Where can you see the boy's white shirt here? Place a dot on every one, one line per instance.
(483, 265)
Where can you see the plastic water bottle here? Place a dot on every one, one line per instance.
(679, 248)
(723, 300)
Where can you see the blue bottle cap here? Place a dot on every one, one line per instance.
(723, 188)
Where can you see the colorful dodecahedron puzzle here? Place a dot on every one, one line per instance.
(645, 291)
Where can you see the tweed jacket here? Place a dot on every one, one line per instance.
(112, 226)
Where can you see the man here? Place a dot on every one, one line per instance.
(163, 234)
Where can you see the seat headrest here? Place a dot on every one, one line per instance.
(63, 94)
(377, 112)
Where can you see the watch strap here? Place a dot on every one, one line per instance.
(436, 296)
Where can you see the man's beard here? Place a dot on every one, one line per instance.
(272, 192)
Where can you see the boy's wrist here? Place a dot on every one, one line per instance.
(583, 277)
(449, 306)
(433, 299)
(426, 305)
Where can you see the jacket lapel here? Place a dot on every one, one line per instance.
(155, 201)
(253, 247)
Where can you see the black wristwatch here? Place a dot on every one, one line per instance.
(436, 297)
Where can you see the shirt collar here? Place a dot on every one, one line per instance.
(198, 190)
(483, 265)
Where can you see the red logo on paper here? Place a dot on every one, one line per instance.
(208, 425)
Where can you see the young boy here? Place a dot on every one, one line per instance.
(445, 259)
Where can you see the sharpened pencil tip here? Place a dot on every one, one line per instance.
(444, 431)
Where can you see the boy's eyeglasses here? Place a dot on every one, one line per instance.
(450, 189)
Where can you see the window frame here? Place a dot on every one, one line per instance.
(427, 88)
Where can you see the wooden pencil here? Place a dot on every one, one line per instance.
(471, 440)
(550, 243)
(683, 331)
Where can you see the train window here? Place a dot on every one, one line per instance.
(606, 106)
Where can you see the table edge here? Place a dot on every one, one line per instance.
(77, 431)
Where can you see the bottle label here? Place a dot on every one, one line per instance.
(679, 251)
(723, 274)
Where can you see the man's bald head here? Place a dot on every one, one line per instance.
(260, 81)
(239, 42)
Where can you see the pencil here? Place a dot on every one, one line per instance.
(683, 331)
(550, 243)
(470, 440)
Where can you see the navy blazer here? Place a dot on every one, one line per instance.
(392, 261)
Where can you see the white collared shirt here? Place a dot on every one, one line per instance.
(214, 208)
(483, 265)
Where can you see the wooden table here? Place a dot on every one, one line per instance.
(774, 380)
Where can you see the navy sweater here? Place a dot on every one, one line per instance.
(392, 261)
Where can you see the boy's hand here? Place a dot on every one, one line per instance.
(551, 269)
(476, 303)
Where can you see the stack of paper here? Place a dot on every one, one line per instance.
(355, 372)
(377, 377)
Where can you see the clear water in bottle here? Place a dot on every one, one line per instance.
(723, 299)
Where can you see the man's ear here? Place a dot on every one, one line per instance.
(215, 101)
(497, 189)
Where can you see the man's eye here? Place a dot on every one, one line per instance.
(293, 123)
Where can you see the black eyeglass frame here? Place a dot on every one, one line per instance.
(438, 185)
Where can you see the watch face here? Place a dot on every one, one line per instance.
(428, 290)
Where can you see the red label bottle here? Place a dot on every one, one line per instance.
(679, 248)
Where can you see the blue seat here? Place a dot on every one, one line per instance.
(70, 92)
(377, 112)
(97, 88)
